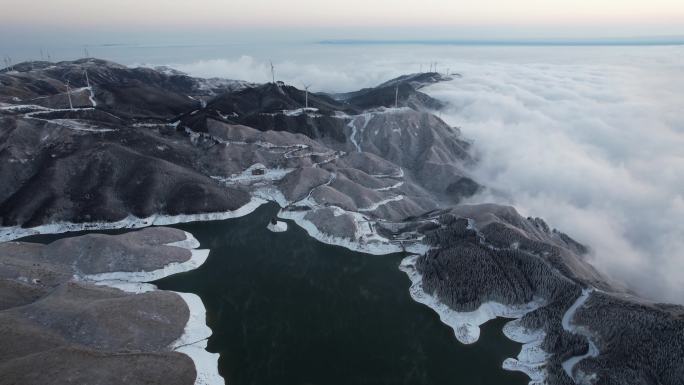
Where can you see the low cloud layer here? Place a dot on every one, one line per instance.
(592, 140)
(329, 77)
(597, 150)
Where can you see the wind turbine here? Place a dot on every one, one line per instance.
(272, 72)
(306, 95)
(71, 106)
(8, 63)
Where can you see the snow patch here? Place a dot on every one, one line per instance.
(570, 363)
(193, 343)
(399, 174)
(392, 187)
(77, 125)
(383, 202)
(92, 96)
(278, 227)
(352, 124)
(532, 358)
(255, 173)
(222, 85)
(130, 222)
(311, 112)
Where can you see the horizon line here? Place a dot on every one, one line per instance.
(619, 41)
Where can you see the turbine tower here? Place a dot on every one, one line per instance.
(8, 63)
(272, 72)
(71, 106)
(306, 95)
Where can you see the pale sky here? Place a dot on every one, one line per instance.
(340, 13)
(319, 19)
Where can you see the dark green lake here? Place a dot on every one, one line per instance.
(286, 309)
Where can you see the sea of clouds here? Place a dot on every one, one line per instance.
(597, 150)
(589, 138)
